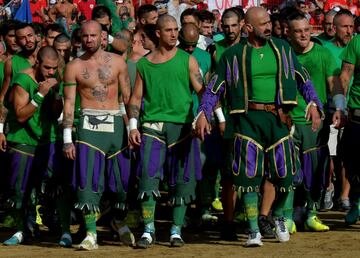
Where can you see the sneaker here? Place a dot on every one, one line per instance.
(146, 240)
(254, 240)
(125, 234)
(313, 223)
(16, 239)
(217, 205)
(281, 230)
(344, 204)
(207, 217)
(328, 198)
(353, 215)
(266, 227)
(291, 226)
(176, 240)
(89, 243)
(65, 240)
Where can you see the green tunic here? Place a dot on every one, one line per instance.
(39, 129)
(167, 91)
(351, 55)
(320, 65)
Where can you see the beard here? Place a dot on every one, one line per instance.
(29, 52)
(262, 36)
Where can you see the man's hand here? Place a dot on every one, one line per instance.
(134, 138)
(69, 151)
(222, 128)
(46, 85)
(314, 115)
(202, 126)
(3, 142)
(339, 119)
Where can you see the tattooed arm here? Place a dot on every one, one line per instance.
(347, 71)
(195, 76)
(69, 109)
(124, 81)
(133, 111)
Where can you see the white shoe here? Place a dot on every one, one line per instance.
(281, 230)
(254, 240)
(89, 243)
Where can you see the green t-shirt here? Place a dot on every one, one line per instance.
(204, 60)
(167, 91)
(320, 65)
(264, 72)
(351, 54)
(132, 72)
(324, 38)
(42, 128)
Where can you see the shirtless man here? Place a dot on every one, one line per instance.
(163, 83)
(61, 13)
(101, 135)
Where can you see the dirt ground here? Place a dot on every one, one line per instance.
(205, 242)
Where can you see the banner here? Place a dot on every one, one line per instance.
(221, 5)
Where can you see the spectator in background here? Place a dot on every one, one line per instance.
(275, 20)
(331, 4)
(51, 32)
(357, 25)
(217, 24)
(85, 8)
(37, 8)
(317, 20)
(329, 31)
(353, 7)
(207, 20)
(147, 14)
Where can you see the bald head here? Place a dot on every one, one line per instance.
(254, 13)
(47, 52)
(190, 32)
(163, 19)
(91, 25)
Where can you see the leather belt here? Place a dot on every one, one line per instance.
(263, 107)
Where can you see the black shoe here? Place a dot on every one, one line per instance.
(228, 232)
(266, 228)
(146, 240)
(176, 241)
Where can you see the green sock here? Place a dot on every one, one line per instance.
(179, 214)
(64, 207)
(18, 215)
(311, 205)
(217, 185)
(288, 207)
(148, 210)
(90, 222)
(252, 211)
(284, 204)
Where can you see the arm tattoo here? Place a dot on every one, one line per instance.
(133, 111)
(199, 78)
(85, 74)
(3, 113)
(68, 120)
(100, 92)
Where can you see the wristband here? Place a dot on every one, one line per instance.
(339, 101)
(133, 123)
(220, 115)
(67, 135)
(122, 108)
(1, 127)
(37, 99)
(110, 39)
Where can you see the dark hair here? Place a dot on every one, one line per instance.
(62, 38)
(145, 9)
(7, 26)
(100, 11)
(342, 12)
(76, 35)
(47, 51)
(295, 16)
(22, 25)
(190, 12)
(149, 30)
(231, 12)
(39, 28)
(205, 15)
(54, 27)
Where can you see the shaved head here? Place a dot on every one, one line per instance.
(190, 32)
(47, 52)
(91, 25)
(253, 14)
(163, 19)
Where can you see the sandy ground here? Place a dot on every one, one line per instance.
(341, 241)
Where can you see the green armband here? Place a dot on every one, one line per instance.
(70, 84)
